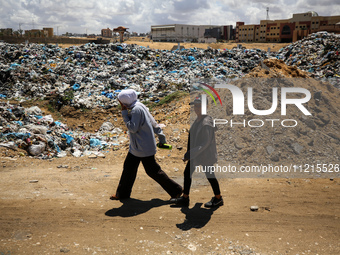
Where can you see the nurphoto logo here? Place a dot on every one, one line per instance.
(238, 99)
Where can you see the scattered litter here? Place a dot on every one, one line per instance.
(254, 208)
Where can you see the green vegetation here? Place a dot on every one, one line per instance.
(83, 109)
(50, 108)
(167, 99)
(68, 96)
(172, 97)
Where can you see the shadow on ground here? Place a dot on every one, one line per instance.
(195, 217)
(132, 207)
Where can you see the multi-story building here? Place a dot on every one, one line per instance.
(228, 32)
(106, 33)
(6, 31)
(48, 31)
(286, 30)
(45, 32)
(249, 33)
(193, 33)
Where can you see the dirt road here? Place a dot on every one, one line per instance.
(62, 206)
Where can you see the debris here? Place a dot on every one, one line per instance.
(254, 208)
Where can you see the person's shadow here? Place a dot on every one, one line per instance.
(196, 217)
(132, 207)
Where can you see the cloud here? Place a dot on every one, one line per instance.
(79, 16)
(189, 6)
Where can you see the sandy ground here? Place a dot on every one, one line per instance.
(169, 45)
(62, 205)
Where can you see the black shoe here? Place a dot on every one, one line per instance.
(214, 202)
(181, 201)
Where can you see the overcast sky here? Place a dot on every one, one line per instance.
(90, 16)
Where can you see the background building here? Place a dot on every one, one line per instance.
(286, 30)
(6, 31)
(192, 33)
(44, 33)
(106, 33)
(228, 33)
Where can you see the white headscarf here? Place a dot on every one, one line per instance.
(129, 98)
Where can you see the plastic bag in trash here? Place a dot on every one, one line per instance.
(68, 138)
(95, 142)
(77, 153)
(106, 126)
(34, 110)
(36, 148)
(35, 129)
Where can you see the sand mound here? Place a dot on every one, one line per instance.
(275, 68)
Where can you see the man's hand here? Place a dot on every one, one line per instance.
(122, 105)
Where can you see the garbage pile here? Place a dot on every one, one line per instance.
(91, 75)
(317, 54)
(43, 137)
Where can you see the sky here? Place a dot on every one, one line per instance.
(90, 16)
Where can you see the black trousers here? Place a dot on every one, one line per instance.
(189, 170)
(152, 169)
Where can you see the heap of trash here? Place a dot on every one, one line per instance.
(317, 54)
(92, 75)
(42, 136)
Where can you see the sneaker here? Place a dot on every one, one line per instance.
(181, 201)
(114, 197)
(214, 202)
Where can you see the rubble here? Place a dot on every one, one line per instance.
(45, 138)
(316, 137)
